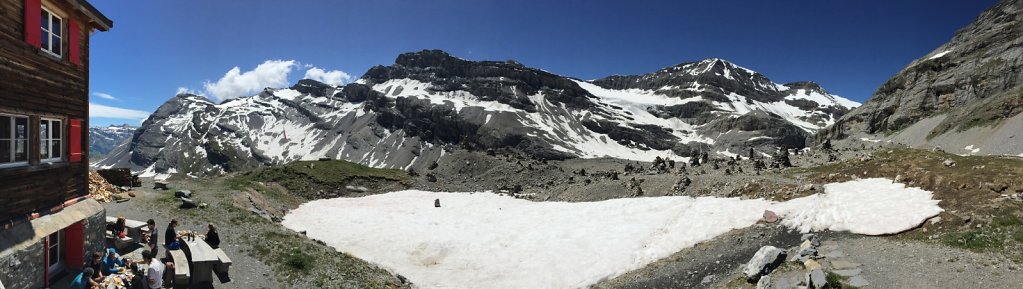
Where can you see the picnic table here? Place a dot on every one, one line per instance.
(135, 228)
(203, 259)
(117, 281)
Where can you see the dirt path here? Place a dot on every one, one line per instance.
(889, 263)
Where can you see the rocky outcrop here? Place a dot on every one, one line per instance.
(971, 82)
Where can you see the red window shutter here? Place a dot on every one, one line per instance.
(75, 140)
(73, 42)
(33, 31)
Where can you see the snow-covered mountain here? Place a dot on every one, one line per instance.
(406, 115)
(102, 140)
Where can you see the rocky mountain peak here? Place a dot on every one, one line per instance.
(809, 86)
(313, 87)
(428, 58)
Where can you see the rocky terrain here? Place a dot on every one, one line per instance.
(405, 115)
(103, 140)
(964, 97)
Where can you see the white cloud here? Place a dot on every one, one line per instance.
(333, 77)
(104, 95)
(185, 90)
(235, 83)
(99, 110)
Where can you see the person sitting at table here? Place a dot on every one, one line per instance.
(119, 227)
(212, 237)
(171, 235)
(82, 279)
(138, 280)
(96, 264)
(112, 262)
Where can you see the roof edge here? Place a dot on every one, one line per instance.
(97, 18)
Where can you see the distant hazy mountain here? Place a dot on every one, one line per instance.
(966, 96)
(103, 139)
(406, 115)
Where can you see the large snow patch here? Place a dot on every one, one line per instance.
(487, 240)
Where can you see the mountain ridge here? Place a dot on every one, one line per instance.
(408, 114)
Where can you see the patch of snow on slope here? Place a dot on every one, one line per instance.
(939, 55)
(822, 99)
(503, 242)
(459, 99)
(869, 206)
(971, 149)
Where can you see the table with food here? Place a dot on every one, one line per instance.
(120, 280)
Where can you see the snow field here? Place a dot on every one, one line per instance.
(484, 238)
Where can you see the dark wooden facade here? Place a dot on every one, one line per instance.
(36, 84)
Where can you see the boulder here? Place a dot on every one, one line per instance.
(765, 260)
(187, 203)
(806, 251)
(358, 189)
(816, 279)
(183, 194)
(811, 265)
(949, 163)
(160, 185)
(764, 283)
(770, 216)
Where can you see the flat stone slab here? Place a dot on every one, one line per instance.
(848, 272)
(834, 254)
(843, 264)
(858, 281)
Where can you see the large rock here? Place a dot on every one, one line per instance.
(816, 279)
(765, 260)
(183, 194)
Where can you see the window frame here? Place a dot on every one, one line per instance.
(61, 252)
(48, 33)
(49, 140)
(14, 138)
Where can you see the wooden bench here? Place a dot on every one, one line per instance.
(223, 264)
(181, 270)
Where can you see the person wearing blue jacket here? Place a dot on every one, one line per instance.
(112, 262)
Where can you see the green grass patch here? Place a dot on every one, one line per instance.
(298, 260)
(313, 175)
(975, 240)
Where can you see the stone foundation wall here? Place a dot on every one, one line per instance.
(25, 268)
(94, 238)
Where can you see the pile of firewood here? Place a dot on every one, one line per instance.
(103, 191)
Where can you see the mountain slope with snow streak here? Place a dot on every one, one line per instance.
(405, 116)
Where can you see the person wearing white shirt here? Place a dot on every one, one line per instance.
(154, 275)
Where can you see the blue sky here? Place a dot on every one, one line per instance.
(159, 47)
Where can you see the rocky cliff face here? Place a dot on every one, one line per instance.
(965, 92)
(407, 114)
